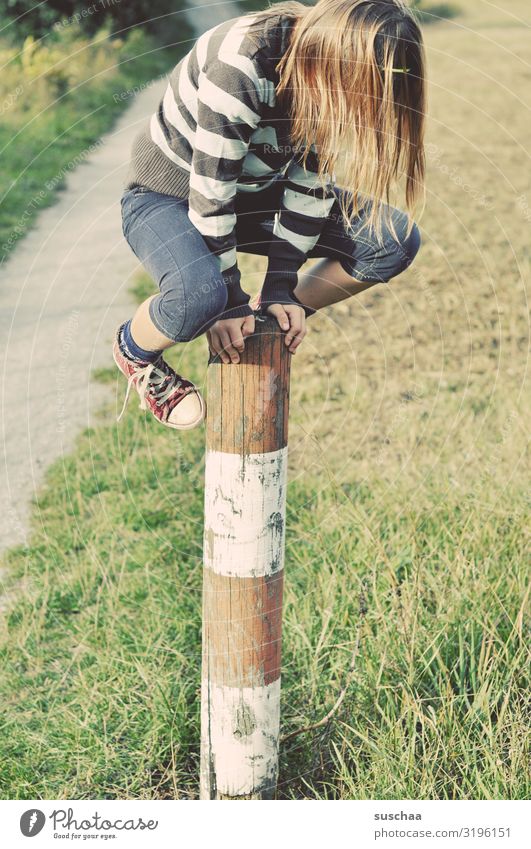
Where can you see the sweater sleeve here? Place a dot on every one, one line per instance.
(229, 108)
(304, 209)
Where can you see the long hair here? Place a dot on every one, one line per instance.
(352, 82)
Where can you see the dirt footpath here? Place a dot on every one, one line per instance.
(62, 293)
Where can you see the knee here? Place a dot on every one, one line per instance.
(168, 315)
(187, 309)
(377, 260)
(203, 306)
(402, 248)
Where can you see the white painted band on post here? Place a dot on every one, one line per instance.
(245, 505)
(243, 724)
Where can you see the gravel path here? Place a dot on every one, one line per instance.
(62, 293)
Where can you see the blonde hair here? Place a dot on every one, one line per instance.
(353, 78)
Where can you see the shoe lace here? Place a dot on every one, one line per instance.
(156, 378)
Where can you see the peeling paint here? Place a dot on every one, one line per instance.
(276, 522)
(209, 542)
(229, 498)
(241, 428)
(244, 512)
(245, 722)
(246, 764)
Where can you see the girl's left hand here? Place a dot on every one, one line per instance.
(226, 337)
(291, 317)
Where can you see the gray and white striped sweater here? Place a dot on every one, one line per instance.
(219, 130)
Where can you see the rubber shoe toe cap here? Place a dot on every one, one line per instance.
(189, 412)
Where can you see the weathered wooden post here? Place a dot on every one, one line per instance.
(245, 496)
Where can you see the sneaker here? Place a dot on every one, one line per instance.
(173, 400)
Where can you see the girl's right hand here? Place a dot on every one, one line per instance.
(292, 318)
(226, 337)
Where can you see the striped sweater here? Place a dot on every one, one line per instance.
(219, 130)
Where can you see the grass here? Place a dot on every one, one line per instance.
(407, 522)
(57, 97)
(101, 652)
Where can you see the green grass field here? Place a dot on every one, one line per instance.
(407, 519)
(57, 96)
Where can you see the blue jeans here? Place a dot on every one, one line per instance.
(192, 293)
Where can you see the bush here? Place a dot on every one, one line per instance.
(161, 18)
(57, 96)
(430, 13)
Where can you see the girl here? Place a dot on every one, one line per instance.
(241, 155)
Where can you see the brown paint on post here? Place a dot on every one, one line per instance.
(247, 414)
(242, 628)
(248, 401)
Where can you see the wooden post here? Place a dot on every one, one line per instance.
(245, 496)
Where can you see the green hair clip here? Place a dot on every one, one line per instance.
(400, 70)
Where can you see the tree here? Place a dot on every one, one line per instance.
(161, 17)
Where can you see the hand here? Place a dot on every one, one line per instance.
(291, 317)
(226, 337)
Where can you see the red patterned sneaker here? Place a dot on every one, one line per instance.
(173, 400)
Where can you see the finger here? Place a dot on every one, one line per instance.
(229, 354)
(297, 341)
(248, 325)
(296, 325)
(215, 343)
(223, 341)
(236, 339)
(278, 311)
